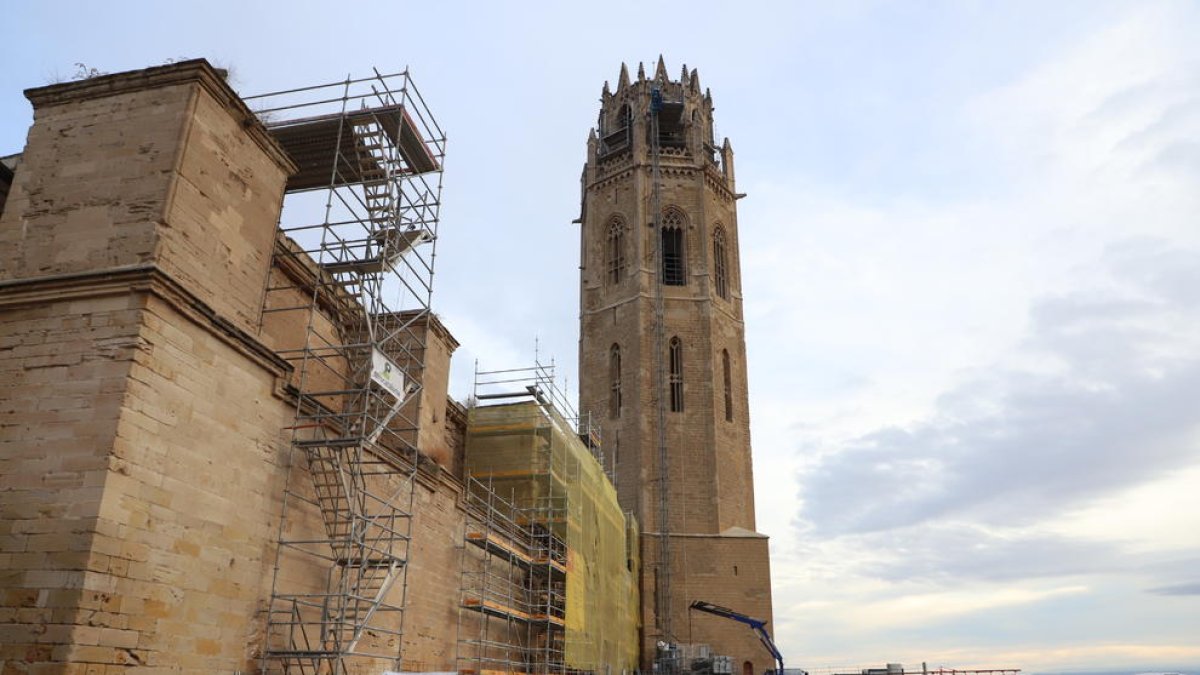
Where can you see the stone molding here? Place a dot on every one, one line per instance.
(135, 279)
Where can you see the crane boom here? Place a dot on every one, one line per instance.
(757, 625)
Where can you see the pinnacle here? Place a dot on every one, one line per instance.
(660, 73)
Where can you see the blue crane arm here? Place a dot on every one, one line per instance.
(757, 625)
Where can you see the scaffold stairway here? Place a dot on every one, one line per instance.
(362, 285)
(376, 169)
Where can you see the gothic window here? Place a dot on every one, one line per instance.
(720, 262)
(614, 252)
(614, 381)
(674, 253)
(625, 118)
(727, 385)
(675, 352)
(616, 138)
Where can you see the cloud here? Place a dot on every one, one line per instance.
(957, 552)
(1100, 397)
(1178, 589)
(1020, 449)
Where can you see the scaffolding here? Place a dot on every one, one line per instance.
(546, 555)
(350, 285)
(514, 564)
(538, 382)
(666, 661)
(513, 586)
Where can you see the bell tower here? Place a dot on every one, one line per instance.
(663, 359)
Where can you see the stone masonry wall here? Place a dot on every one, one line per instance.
(141, 430)
(88, 194)
(63, 374)
(144, 413)
(222, 211)
(191, 498)
(731, 571)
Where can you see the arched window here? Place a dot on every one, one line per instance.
(675, 353)
(727, 385)
(624, 118)
(674, 254)
(614, 252)
(614, 381)
(720, 262)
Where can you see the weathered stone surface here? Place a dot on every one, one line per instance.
(710, 485)
(144, 407)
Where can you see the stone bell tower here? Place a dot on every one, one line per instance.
(663, 359)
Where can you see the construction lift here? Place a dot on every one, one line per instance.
(757, 625)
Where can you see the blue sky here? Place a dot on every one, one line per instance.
(971, 259)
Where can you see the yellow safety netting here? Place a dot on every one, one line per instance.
(528, 453)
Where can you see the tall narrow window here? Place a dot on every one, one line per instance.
(674, 254)
(727, 385)
(625, 119)
(720, 262)
(614, 382)
(614, 252)
(675, 352)
(615, 137)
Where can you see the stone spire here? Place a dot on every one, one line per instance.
(660, 72)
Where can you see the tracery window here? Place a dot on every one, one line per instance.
(720, 262)
(675, 356)
(674, 253)
(614, 381)
(614, 252)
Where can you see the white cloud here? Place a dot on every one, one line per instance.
(990, 405)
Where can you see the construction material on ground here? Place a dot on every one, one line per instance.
(759, 626)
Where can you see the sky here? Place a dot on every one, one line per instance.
(971, 267)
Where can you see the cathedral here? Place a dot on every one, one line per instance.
(226, 443)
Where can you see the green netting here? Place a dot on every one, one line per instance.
(528, 453)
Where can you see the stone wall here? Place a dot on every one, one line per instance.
(144, 415)
(64, 369)
(142, 428)
(732, 571)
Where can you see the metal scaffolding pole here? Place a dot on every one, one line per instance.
(356, 283)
